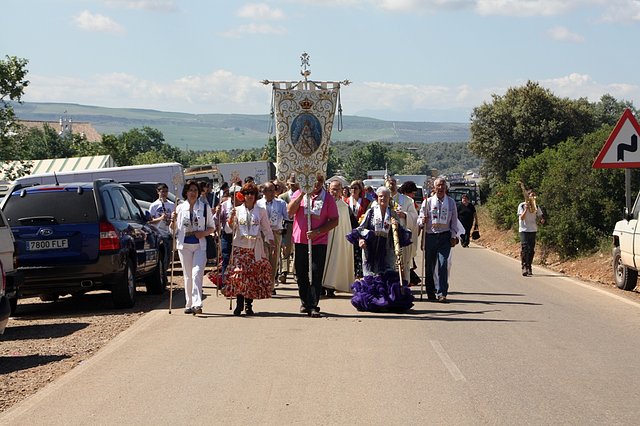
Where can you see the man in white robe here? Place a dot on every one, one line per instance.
(338, 266)
(408, 214)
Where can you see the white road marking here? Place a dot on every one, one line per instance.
(446, 360)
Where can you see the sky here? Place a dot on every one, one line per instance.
(412, 60)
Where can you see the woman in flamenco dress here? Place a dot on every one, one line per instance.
(379, 235)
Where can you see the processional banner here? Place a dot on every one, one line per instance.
(304, 119)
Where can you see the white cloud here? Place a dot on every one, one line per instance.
(96, 22)
(254, 29)
(525, 7)
(577, 85)
(218, 92)
(260, 11)
(420, 5)
(622, 11)
(563, 34)
(154, 5)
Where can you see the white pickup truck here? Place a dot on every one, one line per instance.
(626, 248)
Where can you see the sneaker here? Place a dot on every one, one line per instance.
(188, 311)
(431, 297)
(442, 299)
(529, 272)
(525, 271)
(303, 310)
(249, 311)
(315, 314)
(197, 310)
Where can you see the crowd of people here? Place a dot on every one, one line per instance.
(341, 237)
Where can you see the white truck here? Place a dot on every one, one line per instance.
(261, 171)
(170, 173)
(626, 248)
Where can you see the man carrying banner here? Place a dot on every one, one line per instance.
(324, 217)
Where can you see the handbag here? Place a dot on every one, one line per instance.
(475, 234)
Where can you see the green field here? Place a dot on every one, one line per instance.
(230, 131)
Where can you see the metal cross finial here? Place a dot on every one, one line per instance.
(304, 64)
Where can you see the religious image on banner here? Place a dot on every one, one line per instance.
(304, 120)
(303, 112)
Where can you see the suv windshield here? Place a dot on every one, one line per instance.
(56, 206)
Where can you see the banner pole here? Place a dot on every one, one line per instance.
(307, 203)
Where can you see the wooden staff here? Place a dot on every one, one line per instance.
(398, 250)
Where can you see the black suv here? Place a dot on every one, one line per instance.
(72, 238)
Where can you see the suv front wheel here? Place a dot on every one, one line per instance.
(124, 289)
(626, 278)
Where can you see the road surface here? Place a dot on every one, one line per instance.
(506, 350)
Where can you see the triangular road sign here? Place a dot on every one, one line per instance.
(622, 148)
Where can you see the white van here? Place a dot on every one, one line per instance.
(170, 173)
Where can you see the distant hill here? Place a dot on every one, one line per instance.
(228, 131)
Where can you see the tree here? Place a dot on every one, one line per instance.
(12, 84)
(126, 147)
(522, 123)
(270, 152)
(374, 156)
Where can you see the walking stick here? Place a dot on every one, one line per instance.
(307, 203)
(424, 254)
(173, 253)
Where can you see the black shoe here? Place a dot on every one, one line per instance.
(249, 307)
(304, 310)
(188, 311)
(315, 314)
(529, 271)
(431, 297)
(273, 292)
(525, 271)
(239, 305)
(331, 293)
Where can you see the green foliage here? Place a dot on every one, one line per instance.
(582, 203)
(12, 84)
(270, 150)
(522, 123)
(138, 146)
(374, 156)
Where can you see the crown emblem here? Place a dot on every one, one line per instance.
(306, 103)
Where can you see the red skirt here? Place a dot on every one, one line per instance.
(246, 276)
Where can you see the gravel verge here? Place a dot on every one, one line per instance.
(44, 340)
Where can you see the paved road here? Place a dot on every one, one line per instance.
(507, 350)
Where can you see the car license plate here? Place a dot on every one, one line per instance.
(47, 244)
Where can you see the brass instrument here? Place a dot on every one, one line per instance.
(530, 201)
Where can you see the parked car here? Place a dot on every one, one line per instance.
(626, 248)
(11, 277)
(73, 238)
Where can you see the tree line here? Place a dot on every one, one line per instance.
(549, 143)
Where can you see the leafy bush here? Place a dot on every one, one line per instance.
(582, 203)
